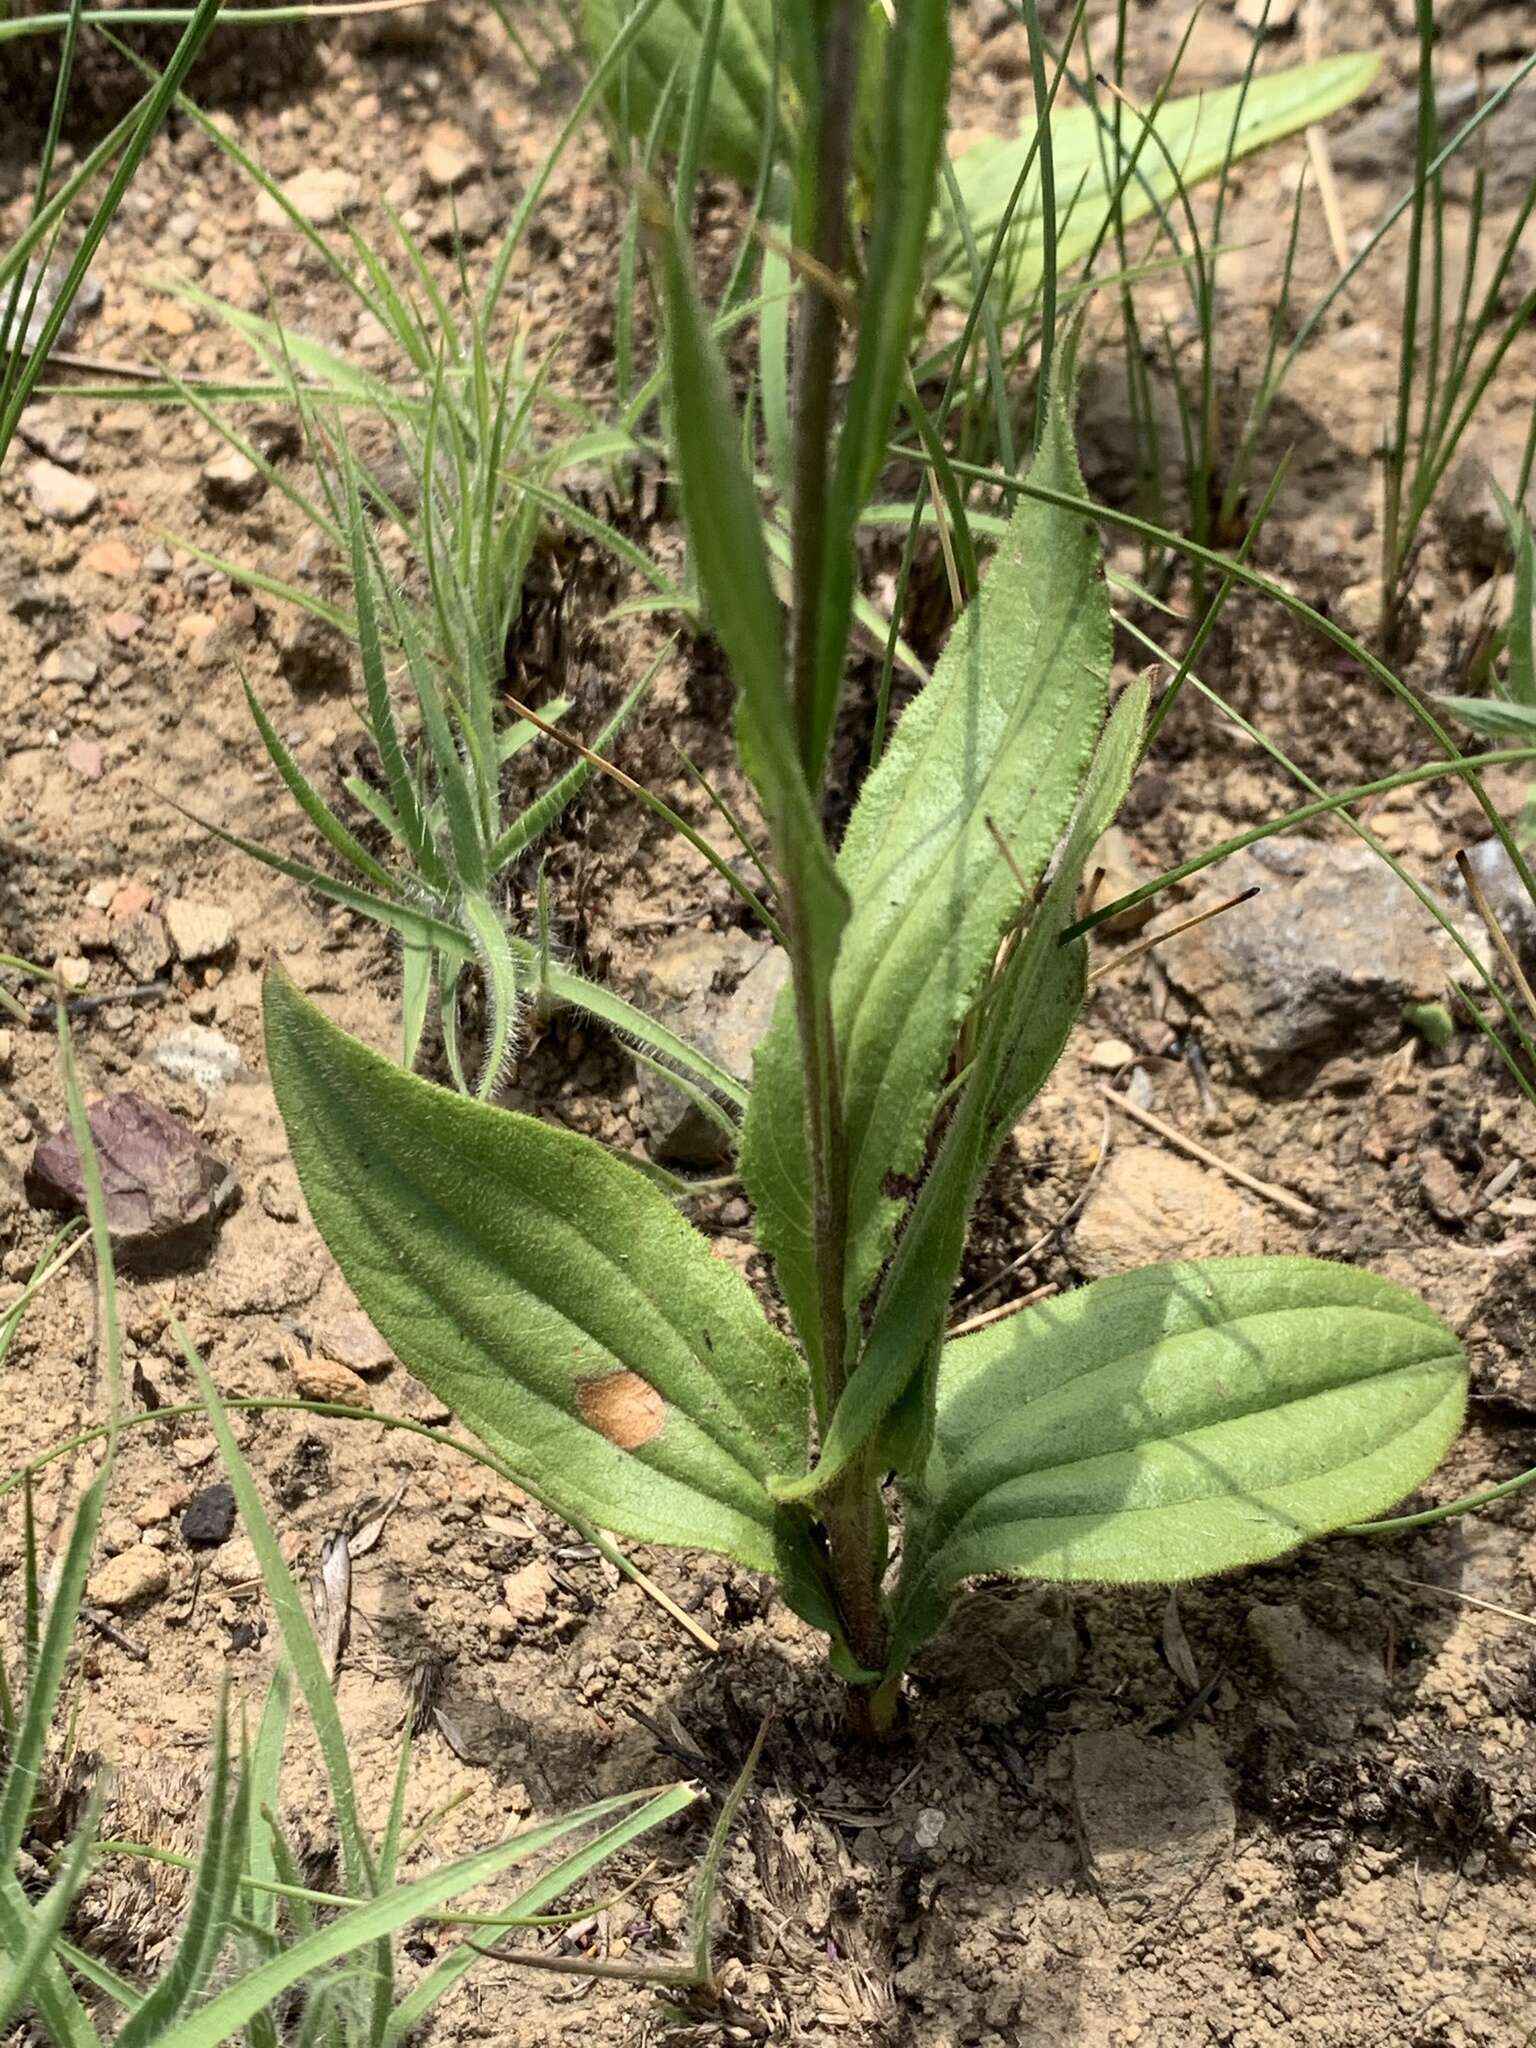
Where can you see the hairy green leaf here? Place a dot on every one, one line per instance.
(1197, 137)
(1004, 732)
(1181, 1420)
(730, 138)
(1493, 715)
(1024, 1025)
(551, 1296)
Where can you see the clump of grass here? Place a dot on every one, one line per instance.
(35, 299)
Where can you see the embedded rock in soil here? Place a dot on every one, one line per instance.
(59, 495)
(232, 481)
(1323, 961)
(199, 931)
(349, 1338)
(1275, 17)
(1326, 1684)
(1468, 509)
(1122, 873)
(1149, 1204)
(129, 1579)
(716, 989)
(450, 159)
(210, 1517)
(320, 195)
(86, 300)
(61, 440)
(38, 602)
(165, 1191)
(140, 941)
(70, 665)
(526, 1593)
(322, 1379)
(200, 1055)
(313, 656)
(997, 1649)
(1155, 1818)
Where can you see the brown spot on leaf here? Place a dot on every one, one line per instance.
(622, 1407)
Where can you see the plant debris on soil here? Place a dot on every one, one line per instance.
(1292, 1806)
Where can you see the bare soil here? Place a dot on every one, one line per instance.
(1315, 1820)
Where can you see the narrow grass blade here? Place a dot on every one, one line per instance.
(299, 1641)
(570, 1871)
(383, 1916)
(315, 808)
(49, 1918)
(725, 531)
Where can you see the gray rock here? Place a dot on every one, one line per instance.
(1155, 1818)
(59, 495)
(165, 1191)
(1325, 1683)
(1468, 508)
(717, 989)
(38, 602)
(1323, 961)
(70, 664)
(139, 940)
(61, 440)
(86, 300)
(1380, 144)
(200, 1055)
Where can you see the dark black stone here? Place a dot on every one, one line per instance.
(210, 1518)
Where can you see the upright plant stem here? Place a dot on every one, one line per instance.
(1397, 449)
(854, 1513)
(825, 222)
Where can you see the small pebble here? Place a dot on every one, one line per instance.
(118, 1533)
(159, 1508)
(210, 1517)
(199, 931)
(232, 481)
(237, 1563)
(1111, 1054)
(60, 496)
(322, 1379)
(129, 1579)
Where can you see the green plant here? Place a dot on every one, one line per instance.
(30, 328)
(1508, 710)
(262, 1957)
(1445, 361)
(1187, 1419)
(436, 533)
(999, 181)
(450, 842)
